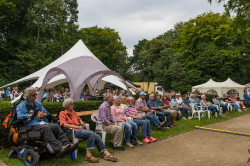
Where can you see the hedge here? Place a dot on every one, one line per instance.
(51, 107)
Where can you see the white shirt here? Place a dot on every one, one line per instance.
(179, 100)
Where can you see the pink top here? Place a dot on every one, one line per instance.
(118, 113)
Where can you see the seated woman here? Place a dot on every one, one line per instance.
(220, 104)
(123, 102)
(193, 99)
(239, 103)
(59, 96)
(131, 111)
(174, 113)
(69, 118)
(211, 108)
(120, 117)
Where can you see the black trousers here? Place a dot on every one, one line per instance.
(53, 135)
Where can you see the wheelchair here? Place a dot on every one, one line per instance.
(30, 146)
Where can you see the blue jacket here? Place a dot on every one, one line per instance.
(22, 112)
(246, 97)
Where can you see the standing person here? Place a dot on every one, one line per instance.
(2, 94)
(69, 118)
(109, 123)
(66, 94)
(141, 106)
(8, 93)
(159, 111)
(113, 92)
(118, 114)
(211, 108)
(37, 90)
(52, 133)
(246, 98)
(139, 119)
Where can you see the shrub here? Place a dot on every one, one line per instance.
(209, 98)
(51, 107)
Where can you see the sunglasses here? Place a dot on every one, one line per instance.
(71, 103)
(34, 95)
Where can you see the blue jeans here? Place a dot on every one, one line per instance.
(128, 127)
(162, 114)
(153, 119)
(224, 107)
(213, 109)
(184, 111)
(247, 101)
(145, 127)
(235, 106)
(92, 139)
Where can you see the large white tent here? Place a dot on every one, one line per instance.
(220, 87)
(79, 49)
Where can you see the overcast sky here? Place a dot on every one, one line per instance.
(138, 19)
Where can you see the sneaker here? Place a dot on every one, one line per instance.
(222, 115)
(211, 117)
(129, 144)
(184, 118)
(174, 124)
(190, 118)
(152, 139)
(171, 126)
(119, 148)
(162, 123)
(146, 140)
(239, 110)
(138, 142)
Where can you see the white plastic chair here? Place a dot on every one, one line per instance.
(198, 110)
(99, 127)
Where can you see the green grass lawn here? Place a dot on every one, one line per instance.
(183, 125)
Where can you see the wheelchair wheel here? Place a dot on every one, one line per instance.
(12, 154)
(30, 158)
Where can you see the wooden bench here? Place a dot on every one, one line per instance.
(84, 113)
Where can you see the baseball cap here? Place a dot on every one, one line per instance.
(143, 93)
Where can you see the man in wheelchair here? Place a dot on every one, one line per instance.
(34, 118)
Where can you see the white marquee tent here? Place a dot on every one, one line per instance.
(220, 87)
(79, 49)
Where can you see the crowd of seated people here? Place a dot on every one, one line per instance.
(114, 115)
(9, 94)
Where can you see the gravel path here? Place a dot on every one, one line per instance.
(197, 147)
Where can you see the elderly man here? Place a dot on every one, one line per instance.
(36, 117)
(173, 112)
(122, 93)
(109, 123)
(159, 110)
(141, 106)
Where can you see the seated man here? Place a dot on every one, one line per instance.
(87, 95)
(66, 94)
(165, 106)
(141, 106)
(52, 133)
(109, 123)
(122, 93)
(59, 96)
(228, 100)
(159, 110)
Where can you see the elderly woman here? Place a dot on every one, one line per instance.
(118, 114)
(220, 104)
(192, 99)
(131, 111)
(69, 118)
(211, 108)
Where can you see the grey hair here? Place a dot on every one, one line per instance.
(106, 95)
(115, 97)
(67, 102)
(151, 94)
(27, 91)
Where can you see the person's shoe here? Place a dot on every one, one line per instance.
(171, 126)
(222, 115)
(174, 124)
(110, 158)
(190, 118)
(162, 123)
(239, 110)
(146, 140)
(91, 159)
(64, 150)
(211, 117)
(111, 144)
(166, 128)
(184, 118)
(73, 147)
(129, 144)
(138, 142)
(119, 148)
(152, 139)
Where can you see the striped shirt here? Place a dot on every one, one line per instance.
(127, 110)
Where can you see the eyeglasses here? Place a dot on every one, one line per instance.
(71, 103)
(34, 95)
